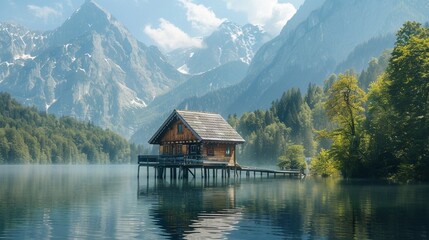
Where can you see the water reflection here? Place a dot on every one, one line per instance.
(193, 209)
(40, 202)
(287, 208)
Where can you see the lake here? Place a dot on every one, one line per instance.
(106, 201)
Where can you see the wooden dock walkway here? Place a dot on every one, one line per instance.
(184, 167)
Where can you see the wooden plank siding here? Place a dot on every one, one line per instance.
(172, 134)
(219, 150)
(208, 135)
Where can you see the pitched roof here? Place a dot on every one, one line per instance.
(205, 126)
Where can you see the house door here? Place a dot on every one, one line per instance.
(194, 149)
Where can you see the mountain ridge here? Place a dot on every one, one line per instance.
(311, 49)
(91, 68)
(230, 42)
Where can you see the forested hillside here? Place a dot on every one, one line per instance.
(375, 124)
(27, 136)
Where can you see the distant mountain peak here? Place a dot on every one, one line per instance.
(90, 17)
(91, 67)
(92, 6)
(230, 42)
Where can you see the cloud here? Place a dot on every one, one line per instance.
(170, 37)
(43, 12)
(202, 18)
(270, 14)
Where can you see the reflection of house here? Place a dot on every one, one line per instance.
(197, 135)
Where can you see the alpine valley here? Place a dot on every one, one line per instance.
(92, 68)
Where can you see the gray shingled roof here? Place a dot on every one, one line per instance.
(205, 126)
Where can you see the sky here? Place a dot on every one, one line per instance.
(168, 24)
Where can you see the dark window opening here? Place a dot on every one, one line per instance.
(228, 151)
(210, 151)
(193, 149)
(180, 128)
(179, 149)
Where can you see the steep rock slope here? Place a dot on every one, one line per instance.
(308, 50)
(230, 42)
(219, 78)
(90, 67)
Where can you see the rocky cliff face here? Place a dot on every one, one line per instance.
(90, 67)
(320, 38)
(230, 42)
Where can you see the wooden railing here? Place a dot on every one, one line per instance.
(170, 159)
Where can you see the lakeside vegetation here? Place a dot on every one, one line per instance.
(28, 136)
(372, 125)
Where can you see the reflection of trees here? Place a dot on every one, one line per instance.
(329, 208)
(42, 195)
(194, 209)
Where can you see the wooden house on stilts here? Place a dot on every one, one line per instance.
(190, 141)
(194, 139)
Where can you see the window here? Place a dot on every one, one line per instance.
(179, 149)
(210, 151)
(180, 128)
(193, 149)
(228, 151)
(167, 150)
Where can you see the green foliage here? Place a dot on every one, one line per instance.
(398, 107)
(345, 107)
(293, 158)
(324, 165)
(265, 136)
(376, 67)
(288, 121)
(383, 134)
(27, 136)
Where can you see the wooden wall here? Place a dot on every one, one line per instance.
(172, 135)
(219, 152)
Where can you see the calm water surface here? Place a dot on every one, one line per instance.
(93, 202)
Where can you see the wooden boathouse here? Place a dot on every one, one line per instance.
(190, 140)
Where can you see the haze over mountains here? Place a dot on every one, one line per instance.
(318, 40)
(92, 68)
(230, 42)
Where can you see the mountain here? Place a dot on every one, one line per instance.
(230, 42)
(320, 41)
(90, 67)
(219, 78)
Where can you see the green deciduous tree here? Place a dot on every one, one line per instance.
(293, 158)
(324, 165)
(345, 107)
(399, 106)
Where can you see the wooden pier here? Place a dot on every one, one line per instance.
(192, 143)
(184, 167)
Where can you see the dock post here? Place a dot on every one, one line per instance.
(147, 173)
